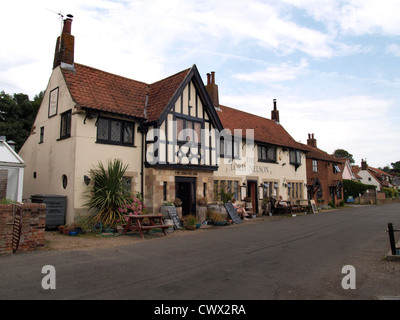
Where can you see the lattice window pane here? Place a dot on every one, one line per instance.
(102, 129)
(115, 131)
(128, 133)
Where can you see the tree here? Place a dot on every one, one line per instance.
(17, 114)
(396, 167)
(341, 153)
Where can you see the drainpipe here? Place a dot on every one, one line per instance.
(143, 130)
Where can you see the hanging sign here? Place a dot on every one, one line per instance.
(16, 235)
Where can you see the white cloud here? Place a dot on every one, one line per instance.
(355, 17)
(280, 73)
(393, 49)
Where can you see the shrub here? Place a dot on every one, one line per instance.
(189, 220)
(108, 192)
(390, 192)
(355, 188)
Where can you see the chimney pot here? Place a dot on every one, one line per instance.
(212, 89)
(68, 24)
(64, 52)
(311, 140)
(275, 113)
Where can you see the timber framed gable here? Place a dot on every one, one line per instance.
(185, 133)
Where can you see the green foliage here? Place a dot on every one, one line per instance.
(7, 201)
(341, 153)
(390, 192)
(396, 167)
(17, 114)
(355, 188)
(189, 220)
(108, 192)
(226, 196)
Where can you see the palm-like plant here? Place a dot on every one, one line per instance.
(108, 192)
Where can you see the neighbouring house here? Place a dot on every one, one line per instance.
(374, 176)
(355, 170)
(396, 182)
(347, 172)
(275, 168)
(324, 176)
(175, 137)
(11, 173)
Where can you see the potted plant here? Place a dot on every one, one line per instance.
(202, 202)
(189, 222)
(164, 209)
(177, 202)
(217, 218)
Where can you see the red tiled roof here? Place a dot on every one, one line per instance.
(161, 93)
(356, 170)
(265, 130)
(103, 91)
(379, 171)
(100, 90)
(318, 154)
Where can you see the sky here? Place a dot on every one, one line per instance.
(333, 66)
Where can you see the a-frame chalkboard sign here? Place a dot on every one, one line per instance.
(232, 212)
(174, 216)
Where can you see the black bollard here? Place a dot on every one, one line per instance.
(391, 238)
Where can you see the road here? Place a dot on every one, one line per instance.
(289, 258)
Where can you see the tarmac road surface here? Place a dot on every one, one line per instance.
(290, 258)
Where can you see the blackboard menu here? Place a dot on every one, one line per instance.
(174, 216)
(313, 206)
(232, 212)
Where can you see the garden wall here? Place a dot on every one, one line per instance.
(33, 227)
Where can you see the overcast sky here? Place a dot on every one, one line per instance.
(333, 66)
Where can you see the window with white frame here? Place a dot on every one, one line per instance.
(315, 165)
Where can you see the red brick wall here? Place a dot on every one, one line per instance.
(33, 227)
(325, 176)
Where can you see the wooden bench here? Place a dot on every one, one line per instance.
(136, 223)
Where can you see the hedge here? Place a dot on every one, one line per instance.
(355, 188)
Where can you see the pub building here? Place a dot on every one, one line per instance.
(176, 138)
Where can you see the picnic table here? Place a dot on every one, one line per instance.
(145, 222)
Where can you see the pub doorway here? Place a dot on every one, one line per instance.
(185, 189)
(252, 193)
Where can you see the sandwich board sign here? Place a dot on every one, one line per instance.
(232, 212)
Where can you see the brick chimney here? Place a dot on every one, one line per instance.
(311, 141)
(212, 89)
(364, 165)
(275, 113)
(64, 52)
